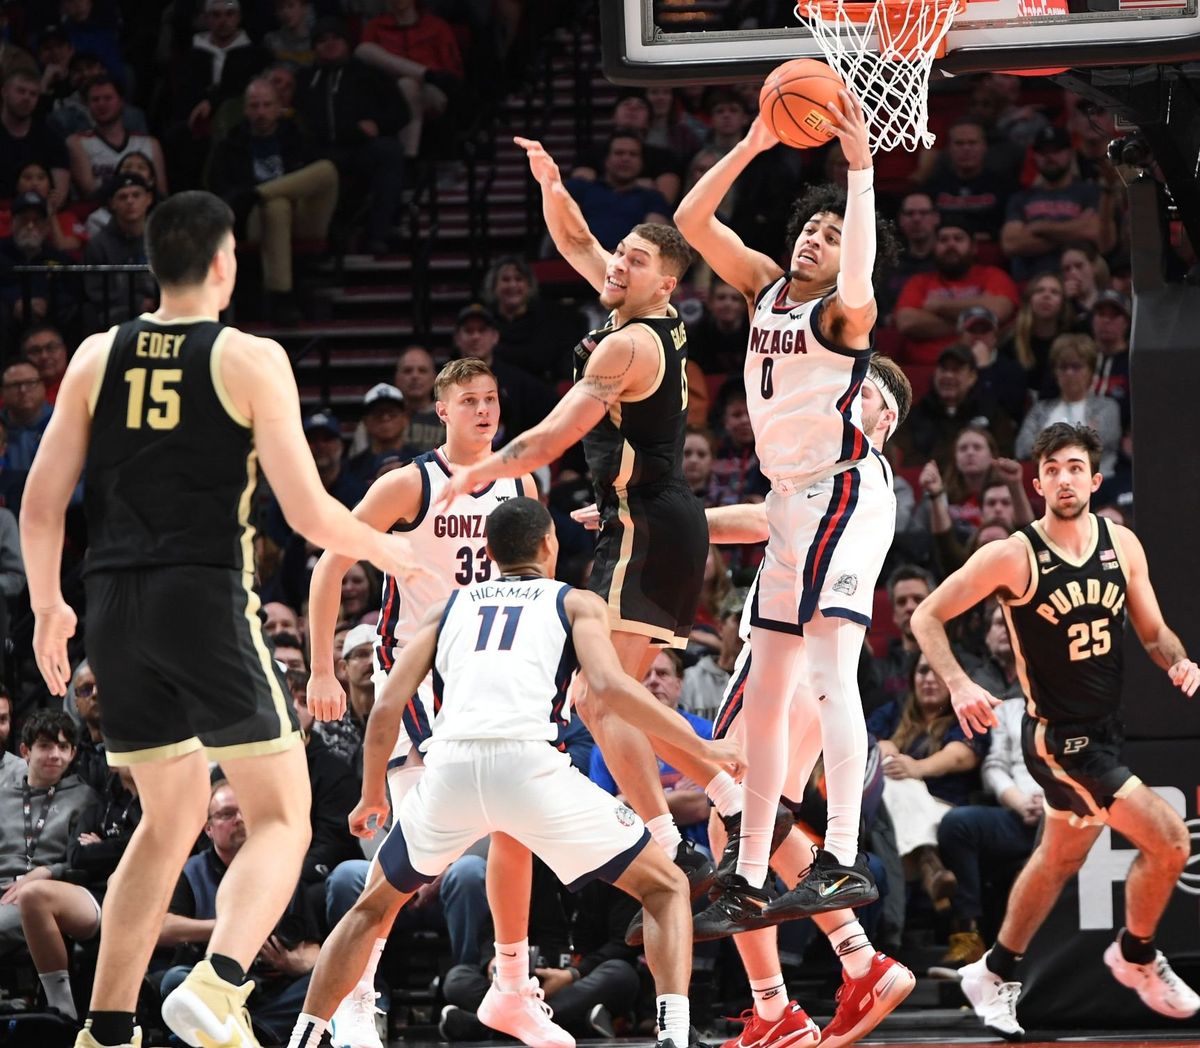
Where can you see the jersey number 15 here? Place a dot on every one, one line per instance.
(163, 412)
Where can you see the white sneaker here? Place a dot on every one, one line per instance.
(524, 1015)
(1156, 984)
(353, 1025)
(994, 1000)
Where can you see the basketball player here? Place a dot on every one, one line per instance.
(451, 545)
(502, 653)
(810, 340)
(629, 407)
(1065, 583)
(172, 413)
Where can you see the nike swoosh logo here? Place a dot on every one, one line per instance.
(829, 889)
(812, 495)
(503, 954)
(1053, 567)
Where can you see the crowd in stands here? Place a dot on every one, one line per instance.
(1008, 307)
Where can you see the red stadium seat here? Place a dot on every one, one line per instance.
(883, 628)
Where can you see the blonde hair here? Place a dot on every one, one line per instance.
(1075, 344)
(1023, 329)
(459, 373)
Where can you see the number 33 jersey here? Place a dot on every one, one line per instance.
(450, 543)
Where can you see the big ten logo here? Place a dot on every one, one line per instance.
(1106, 866)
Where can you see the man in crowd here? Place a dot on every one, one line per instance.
(386, 424)
(617, 201)
(917, 221)
(115, 298)
(25, 415)
(907, 586)
(11, 766)
(415, 375)
(966, 189)
(718, 342)
(30, 245)
(44, 346)
(25, 136)
(96, 152)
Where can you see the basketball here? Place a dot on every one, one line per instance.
(794, 101)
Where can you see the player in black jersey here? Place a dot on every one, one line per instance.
(1065, 583)
(173, 413)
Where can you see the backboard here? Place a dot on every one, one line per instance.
(683, 41)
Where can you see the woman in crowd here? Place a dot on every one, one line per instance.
(535, 335)
(1045, 314)
(132, 163)
(1085, 274)
(360, 592)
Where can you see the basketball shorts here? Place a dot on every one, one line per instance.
(528, 790)
(649, 561)
(826, 548)
(1078, 766)
(417, 720)
(181, 657)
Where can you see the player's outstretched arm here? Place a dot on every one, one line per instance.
(564, 221)
(998, 567)
(628, 699)
(733, 525)
(1160, 642)
(696, 218)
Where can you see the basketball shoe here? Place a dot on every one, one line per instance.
(697, 867)
(523, 1014)
(84, 1038)
(994, 1000)
(204, 1009)
(353, 1024)
(827, 886)
(794, 1030)
(739, 908)
(1156, 983)
(862, 1004)
(784, 821)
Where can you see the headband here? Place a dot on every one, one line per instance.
(889, 398)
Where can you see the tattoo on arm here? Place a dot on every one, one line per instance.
(513, 450)
(607, 388)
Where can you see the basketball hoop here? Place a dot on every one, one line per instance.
(884, 51)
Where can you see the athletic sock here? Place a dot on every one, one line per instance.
(227, 968)
(664, 831)
(512, 965)
(853, 948)
(725, 793)
(1135, 950)
(770, 997)
(368, 976)
(674, 1018)
(110, 1028)
(308, 1031)
(1001, 961)
(58, 992)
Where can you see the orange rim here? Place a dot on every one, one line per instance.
(899, 38)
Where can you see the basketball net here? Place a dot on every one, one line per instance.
(884, 51)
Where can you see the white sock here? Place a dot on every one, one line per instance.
(368, 976)
(58, 992)
(308, 1031)
(770, 997)
(725, 793)
(512, 965)
(853, 948)
(664, 831)
(674, 1018)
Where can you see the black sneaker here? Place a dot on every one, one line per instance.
(739, 908)
(701, 875)
(458, 1024)
(784, 821)
(827, 886)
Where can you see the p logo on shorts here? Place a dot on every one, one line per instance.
(1075, 745)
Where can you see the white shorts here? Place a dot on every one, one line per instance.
(826, 548)
(528, 790)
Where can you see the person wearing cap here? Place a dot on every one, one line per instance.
(25, 135)
(999, 374)
(386, 424)
(95, 153)
(27, 299)
(114, 298)
(1058, 209)
(1109, 324)
(929, 304)
(963, 186)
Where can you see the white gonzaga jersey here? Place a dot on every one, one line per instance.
(450, 544)
(504, 659)
(803, 392)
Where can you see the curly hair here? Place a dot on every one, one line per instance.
(827, 199)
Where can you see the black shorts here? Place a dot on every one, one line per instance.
(182, 661)
(649, 561)
(1078, 766)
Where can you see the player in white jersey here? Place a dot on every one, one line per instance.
(451, 545)
(810, 340)
(502, 654)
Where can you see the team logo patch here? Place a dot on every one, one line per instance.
(625, 815)
(1076, 744)
(847, 584)
(1044, 556)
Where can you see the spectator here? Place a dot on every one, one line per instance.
(12, 57)
(26, 413)
(280, 618)
(11, 484)
(953, 402)
(39, 817)
(344, 737)
(1000, 376)
(44, 347)
(1058, 209)
(998, 672)
(55, 52)
(386, 426)
(288, 651)
(220, 64)
(965, 191)
(918, 221)
(996, 101)
(735, 465)
(94, 154)
(670, 125)
(618, 201)
(907, 586)
(421, 52)
(90, 34)
(1045, 314)
(131, 164)
(535, 334)
(25, 136)
(972, 467)
(998, 504)
(1110, 328)
(267, 172)
(704, 682)
(83, 702)
(1073, 360)
(415, 375)
(113, 298)
(292, 41)
(727, 120)
(354, 113)
(30, 245)
(698, 465)
(1084, 275)
(65, 229)
(12, 767)
(715, 587)
(930, 304)
(718, 342)
(362, 586)
(661, 169)
(68, 107)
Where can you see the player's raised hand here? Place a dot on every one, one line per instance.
(1185, 675)
(727, 755)
(759, 136)
(53, 627)
(541, 163)
(850, 125)
(394, 555)
(366, 810)
(588, 516)
(326, 700)
(975, 708)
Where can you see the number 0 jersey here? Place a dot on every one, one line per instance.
(171, 466)
(1068, 627)
(451, 544)
(802, 391)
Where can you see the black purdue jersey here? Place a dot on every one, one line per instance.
(171, 467)
(1068, 628)
(640, 442)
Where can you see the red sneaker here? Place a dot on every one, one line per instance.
(794, 1030)
(864, 1003)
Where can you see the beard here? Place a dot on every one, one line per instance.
(954, 267)
(1062, 514)
(869, 422)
